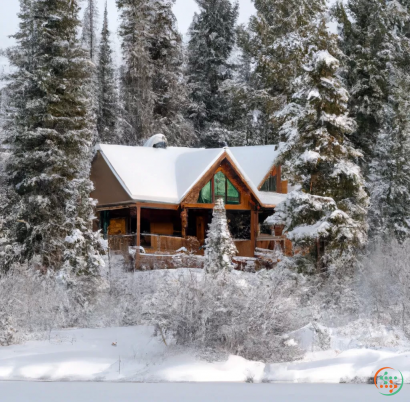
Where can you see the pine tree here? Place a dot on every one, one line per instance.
(389, 168)
(153, 92)
(389, 176)
(220, 247)
(50, 139)
(330, 204)
(90, 44)
(276, 43)
(107, 89)
(4, 205)
(375, 39)
(212, 39)
(247, 120)
(365, 45)
(89, 29)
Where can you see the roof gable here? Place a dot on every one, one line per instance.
(255, 162)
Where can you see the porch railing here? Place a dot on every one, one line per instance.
(153, 243)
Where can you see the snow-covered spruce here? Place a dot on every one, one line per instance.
(107, 95)
(89, 29)
(153, 94)
(219, 246)
(212, 39)
(246, 115)
(50, 137)
(330, 202)
(275, 43)
(89, 42)
(374, 37)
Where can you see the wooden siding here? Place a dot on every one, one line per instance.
(245, 248)
(107, 190)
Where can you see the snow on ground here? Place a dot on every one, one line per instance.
(89, 355)
(133, 354)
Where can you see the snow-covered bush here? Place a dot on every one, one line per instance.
(235, 312)
(8, 334)
(36, 302)
(384, 283)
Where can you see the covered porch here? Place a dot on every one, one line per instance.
(157, 232)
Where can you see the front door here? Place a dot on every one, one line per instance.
(200, 229)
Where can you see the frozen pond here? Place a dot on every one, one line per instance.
(189, 392)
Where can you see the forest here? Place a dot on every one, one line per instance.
(329, 84)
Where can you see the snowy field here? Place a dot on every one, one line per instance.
(213, 392)
(132, 354)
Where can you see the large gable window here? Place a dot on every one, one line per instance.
(222, 188)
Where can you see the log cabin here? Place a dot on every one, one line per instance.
(160, 199)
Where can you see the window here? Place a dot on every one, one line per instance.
(205, 196)
(239, 223)
(220, 185)
(232, 194)
(223, 188)
(270, 184)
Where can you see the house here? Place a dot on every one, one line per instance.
(161, 198)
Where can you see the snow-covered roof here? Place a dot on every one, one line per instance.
(254, 163)
(167, 175)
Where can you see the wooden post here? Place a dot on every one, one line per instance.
(254, 229)
(137, 254)
(138, 228)
(279, 179)
(184, 222)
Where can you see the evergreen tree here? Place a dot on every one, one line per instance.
(247, 119)
(89, 29)
(365, 46)
(220, 247)
(50, 139)
(107, 89)
(154, 96)
(4, 100)
(330, 203)
(276, 43)
(389, 168)
(374, 36)
(5, 206)
(212, 39)
(90, 44)
(389, 176)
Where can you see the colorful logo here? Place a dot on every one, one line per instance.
(388, 381)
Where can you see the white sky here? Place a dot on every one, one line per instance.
(184, 11)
